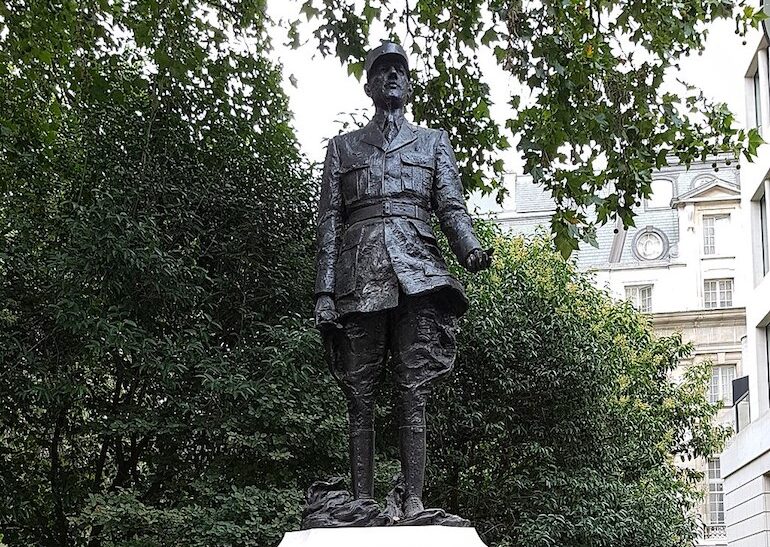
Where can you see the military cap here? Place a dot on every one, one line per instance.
(385, 48)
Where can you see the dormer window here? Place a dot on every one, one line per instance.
(662, 192)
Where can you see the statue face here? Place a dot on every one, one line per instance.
(388, 82)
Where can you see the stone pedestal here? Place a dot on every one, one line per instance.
(384, 536)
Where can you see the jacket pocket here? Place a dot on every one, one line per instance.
(438, 268)
(424, 231)
(417, 172)
(354, 179)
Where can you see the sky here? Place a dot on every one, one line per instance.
(325, 94)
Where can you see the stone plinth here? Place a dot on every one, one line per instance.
(384, 536)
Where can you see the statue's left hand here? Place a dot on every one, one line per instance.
(326, 315)
(479, 259)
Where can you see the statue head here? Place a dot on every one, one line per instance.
(387, 76)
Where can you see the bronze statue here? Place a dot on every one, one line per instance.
(382, 288)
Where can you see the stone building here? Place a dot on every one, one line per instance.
(683, 265)
(746, 461)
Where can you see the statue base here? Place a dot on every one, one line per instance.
(384, 536)
(329, 505)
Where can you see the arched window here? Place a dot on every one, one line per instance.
(701, 180)
(662, 192)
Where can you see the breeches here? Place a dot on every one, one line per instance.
(419, 336)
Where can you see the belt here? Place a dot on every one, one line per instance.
(388, 209)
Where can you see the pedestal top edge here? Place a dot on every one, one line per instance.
(376, 536)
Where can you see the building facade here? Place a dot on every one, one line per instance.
(746, 461)
(682, 263)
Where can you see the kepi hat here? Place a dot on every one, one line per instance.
(385, 48)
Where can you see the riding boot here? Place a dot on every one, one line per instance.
(362, 463)
(412, 449)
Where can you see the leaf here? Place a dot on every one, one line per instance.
(356, 69)
(489, 36)
(309, 10)
(482, 110)
(370, 13)
(44, 56)
(565, 244)
(755, 140)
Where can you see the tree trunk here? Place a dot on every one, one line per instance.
(61, 526)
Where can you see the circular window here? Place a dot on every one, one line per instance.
(650, 244)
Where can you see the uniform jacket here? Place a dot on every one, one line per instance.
(364, 265)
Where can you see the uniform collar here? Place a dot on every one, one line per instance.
(373, 132)
(381, 115)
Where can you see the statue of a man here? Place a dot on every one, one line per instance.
(382, 288)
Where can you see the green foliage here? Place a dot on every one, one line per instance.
(160, 381)
(240, 516)
(160, 384)
(592, 120)
(561, 423)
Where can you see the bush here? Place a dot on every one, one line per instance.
(561, 422)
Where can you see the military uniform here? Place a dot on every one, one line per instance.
(377, 199)
(378, 258)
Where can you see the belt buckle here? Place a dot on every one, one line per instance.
(386, 209)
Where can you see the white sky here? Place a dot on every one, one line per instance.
(325, 94)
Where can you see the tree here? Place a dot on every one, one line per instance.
(561, 422)
(593, 119)
(160, 383)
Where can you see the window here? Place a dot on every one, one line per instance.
(721, 388)
(764, 234)
(741, 402)
(716, 496)
(641, 297)
(650, 244)
(718, 293)
(660, 197)
(715, 234)
(757, 101)
(767, 351)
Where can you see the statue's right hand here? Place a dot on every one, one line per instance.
(326, 315)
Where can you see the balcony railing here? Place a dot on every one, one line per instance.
(715, 531)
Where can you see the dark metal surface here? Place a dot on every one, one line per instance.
(329, 505)
(384, 295)
(418, 168)
(386, 48)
